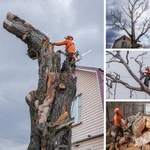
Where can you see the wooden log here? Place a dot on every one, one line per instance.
(109, 145)
(138, 126)
(147, 125)
(146, 147)
(112, 147)
(131, 119)
(62, 118)
(142, 140)
(117, 146)
(123, 140)
(26, 32)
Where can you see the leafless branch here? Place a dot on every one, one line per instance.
(123, 83)
(115, 78)
(140, 63)
(109, 87)
(131, 90)
(127, 55)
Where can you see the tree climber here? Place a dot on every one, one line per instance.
(147, 78)
(117, 122)
(69, 53)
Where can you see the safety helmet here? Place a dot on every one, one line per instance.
(117, 110)
(147, 68)
(69, 36)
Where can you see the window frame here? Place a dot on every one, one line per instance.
(78, 107)
(123, 44)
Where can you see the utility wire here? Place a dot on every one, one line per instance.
(12, 100)
(11, 109)
(14, 140)
(136, 94)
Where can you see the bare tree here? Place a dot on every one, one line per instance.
(134, 21)
(115, 78)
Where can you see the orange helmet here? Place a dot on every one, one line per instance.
(147, 68)
(69, 36)
(117, 110)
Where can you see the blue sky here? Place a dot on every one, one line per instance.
(19, 74)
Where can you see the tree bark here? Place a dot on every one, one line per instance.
(50, 104)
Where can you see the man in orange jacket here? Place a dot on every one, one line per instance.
(70, 49)
(117, 122)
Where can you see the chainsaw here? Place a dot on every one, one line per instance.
(76, 56)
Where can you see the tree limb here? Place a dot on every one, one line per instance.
(115, 79)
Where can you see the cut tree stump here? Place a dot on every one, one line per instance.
(142, 140)
(138, 126)
(51, 102)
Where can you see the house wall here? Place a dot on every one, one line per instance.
(118, 43)
(92, 111)
(96, 144)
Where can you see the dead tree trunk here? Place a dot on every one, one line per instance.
(50, 104)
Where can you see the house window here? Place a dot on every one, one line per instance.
(124, 44)
(76, 109)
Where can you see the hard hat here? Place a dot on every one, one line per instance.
(117, 110)
(147, 68)
(69, 36)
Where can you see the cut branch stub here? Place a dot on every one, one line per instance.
(26, 32)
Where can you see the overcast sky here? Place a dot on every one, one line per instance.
(83, 19)
(122, 92)
(111, 34)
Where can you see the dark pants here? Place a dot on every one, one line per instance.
(146, 81)
(117, 130)
(67, 63)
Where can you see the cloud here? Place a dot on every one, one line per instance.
(111, 36)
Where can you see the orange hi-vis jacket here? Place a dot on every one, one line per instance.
(148, 71)
(70, 47)
(117, 119)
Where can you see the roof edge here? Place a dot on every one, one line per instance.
(89, 68)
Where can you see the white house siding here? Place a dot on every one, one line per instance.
(92, 110)
(96, 144)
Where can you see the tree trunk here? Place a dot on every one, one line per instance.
(50, 104)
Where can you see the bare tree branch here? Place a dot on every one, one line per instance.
(116, 77)
(140, 63)
(123, 83)
(127, 57)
